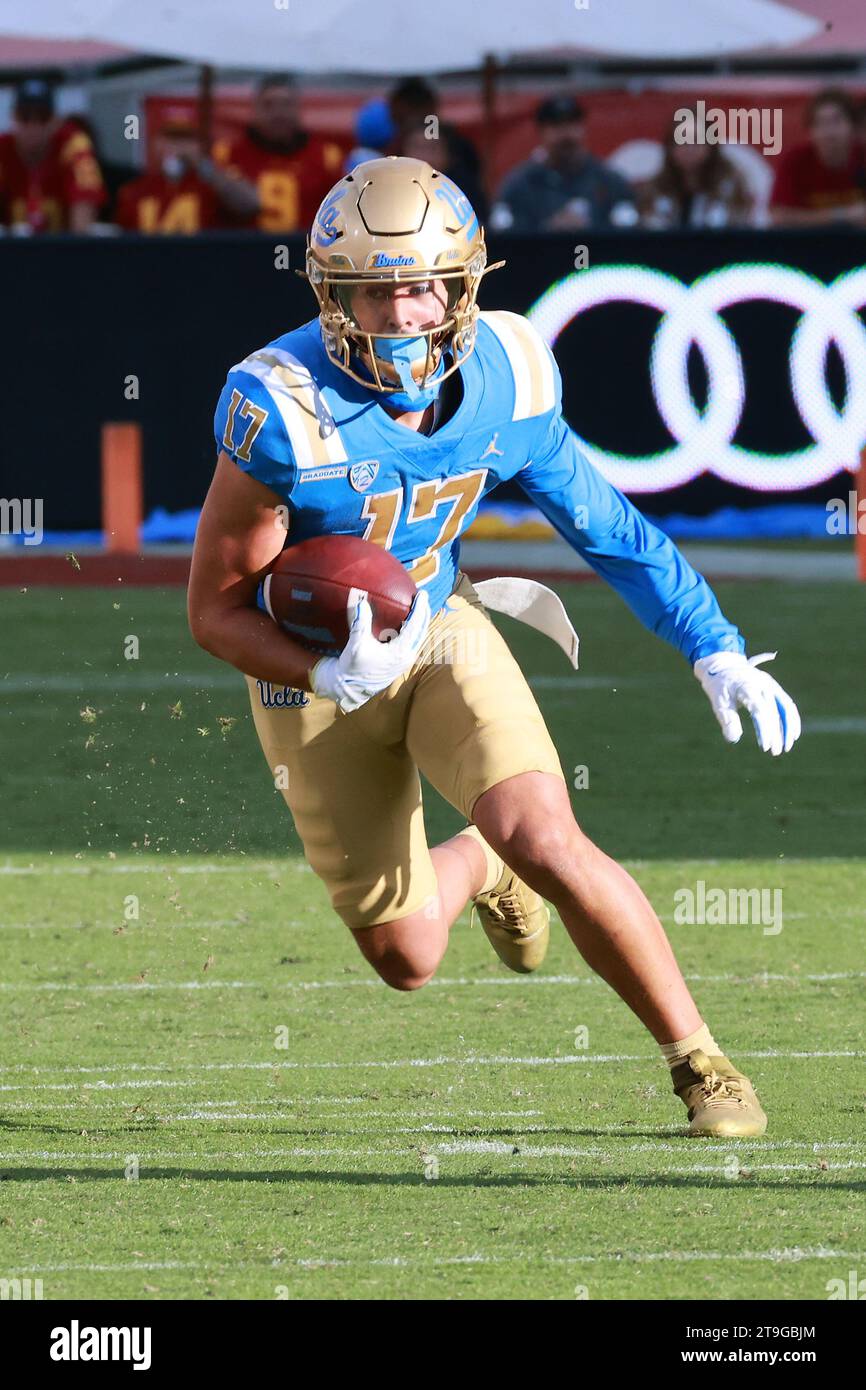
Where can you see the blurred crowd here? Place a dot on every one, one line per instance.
(274, 173)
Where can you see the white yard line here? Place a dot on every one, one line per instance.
(513, 1147)
(177, 865)
(169, 866)
(71, 1268)
(851, 724)
(499, 1148)
(793, 1255)
(523, 982)
(492, 1149)
(31, 683)
(97, 1085)
(256, 1111)
(264, 1114)
(268, 923)
(783, 1255)
(138, 682)
(135, 926)
(136, 986)
(289, 1107)
(580, 1059)
(750, 1148)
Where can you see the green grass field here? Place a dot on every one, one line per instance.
(216, 1098)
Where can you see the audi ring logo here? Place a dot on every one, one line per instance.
(690, 314)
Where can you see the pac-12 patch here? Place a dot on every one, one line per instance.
(362, 475)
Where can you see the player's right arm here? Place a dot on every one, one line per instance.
(239, 536)
(241, 532)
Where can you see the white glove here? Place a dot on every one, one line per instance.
(731, 679)
(367, 665)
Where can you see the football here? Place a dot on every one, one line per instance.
(313, 587)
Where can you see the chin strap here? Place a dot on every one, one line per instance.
(401, 358)
(400, 353)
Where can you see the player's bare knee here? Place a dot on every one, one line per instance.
(401, 974)
(404, 953)
(545, 856)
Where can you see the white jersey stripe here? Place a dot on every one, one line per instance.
(286, 405)
(541, 367)
(498, 322)
(548, 377)
(531, 363)
(296, 396)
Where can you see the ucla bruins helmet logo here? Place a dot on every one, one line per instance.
(396, 220)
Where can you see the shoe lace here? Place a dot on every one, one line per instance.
(510, 909)
(506, 908)
(718, 1088)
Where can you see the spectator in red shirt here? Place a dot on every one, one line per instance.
(275, 175)
(172, 197)
(824, 181)
(50, 180)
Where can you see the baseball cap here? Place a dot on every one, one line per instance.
(35, 94)
(557, 110)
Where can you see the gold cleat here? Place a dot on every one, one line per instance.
(720, 1100)
(517, 922)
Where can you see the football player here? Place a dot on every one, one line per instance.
(389, 416)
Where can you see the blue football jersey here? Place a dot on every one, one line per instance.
(342, 465)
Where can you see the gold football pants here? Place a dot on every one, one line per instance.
(463, 715)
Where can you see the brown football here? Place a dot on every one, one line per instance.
(312, 590)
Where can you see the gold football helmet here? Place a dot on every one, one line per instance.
(396, 220)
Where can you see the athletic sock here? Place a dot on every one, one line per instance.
(675, 1052)
(495, 866)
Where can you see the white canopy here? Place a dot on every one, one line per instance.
(395, 36)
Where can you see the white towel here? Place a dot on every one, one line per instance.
(533, 604)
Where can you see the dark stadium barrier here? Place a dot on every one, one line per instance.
(768, 403)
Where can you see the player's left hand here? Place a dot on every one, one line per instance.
(731, 680)
(367, 665)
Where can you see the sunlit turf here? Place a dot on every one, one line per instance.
(207, 1093)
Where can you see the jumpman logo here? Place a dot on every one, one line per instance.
(492, 449)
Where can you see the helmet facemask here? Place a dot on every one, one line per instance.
(446, 345)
